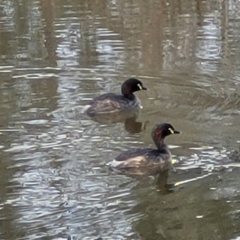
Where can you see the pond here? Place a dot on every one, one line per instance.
(57, 55)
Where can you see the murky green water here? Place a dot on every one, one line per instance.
(56, 55)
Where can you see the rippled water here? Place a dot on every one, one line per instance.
(55, 56)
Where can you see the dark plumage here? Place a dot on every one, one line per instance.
(153, 159)
(111, 102)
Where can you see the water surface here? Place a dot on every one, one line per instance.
(55, 56)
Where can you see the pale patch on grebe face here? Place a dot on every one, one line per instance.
(171, 130)
(140, 87)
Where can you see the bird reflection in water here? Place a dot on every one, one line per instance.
(140, 174)
(129, 118)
